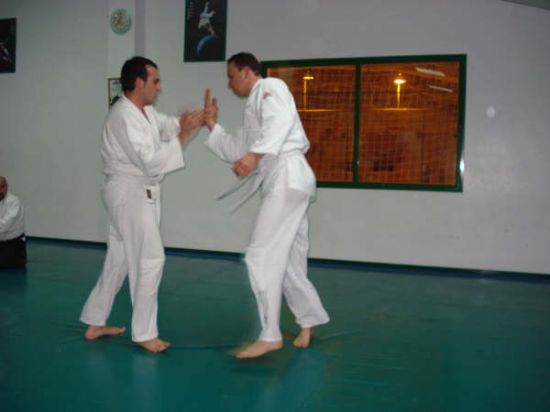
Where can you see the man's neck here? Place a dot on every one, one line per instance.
(253, 81)
(136, 100)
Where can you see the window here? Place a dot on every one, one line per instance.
(381, 122)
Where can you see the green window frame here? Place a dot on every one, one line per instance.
(381, 122)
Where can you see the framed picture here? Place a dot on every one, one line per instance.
(115, 90)
(205, 30)
(7, 45)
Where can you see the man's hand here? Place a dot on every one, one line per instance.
(210, 110)
(246, 164)
(189, 123)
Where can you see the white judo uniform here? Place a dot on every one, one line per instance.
(11, 218)
(137, 151)
(276, 257)
(13, 246)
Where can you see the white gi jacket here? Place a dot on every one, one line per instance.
(271, 126)
(137, 147)
(11, 218)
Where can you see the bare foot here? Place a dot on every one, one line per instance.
(96, 332)
(155, 345)
(304, 338)
(258, 348)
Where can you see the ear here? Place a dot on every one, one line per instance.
(139, 83)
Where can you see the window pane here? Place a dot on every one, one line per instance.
(409, 123)
(325, 98)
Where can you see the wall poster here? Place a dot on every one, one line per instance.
(205, 30)
(7, 45)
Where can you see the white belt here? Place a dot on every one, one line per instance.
(254, 181)
(144, 180)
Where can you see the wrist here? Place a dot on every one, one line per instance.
(211, 124)
(183, 135)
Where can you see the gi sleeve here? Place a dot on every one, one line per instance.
(169, 126)
(227, 147)
(153, 157)
(276, 119)
(12, 211)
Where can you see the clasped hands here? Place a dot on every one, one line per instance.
(192, 120)
(208, 116)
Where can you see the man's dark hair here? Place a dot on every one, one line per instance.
(244, 59)
(134, 68)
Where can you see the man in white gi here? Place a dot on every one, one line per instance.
(139, 145)
(271, 146)
(13, 247)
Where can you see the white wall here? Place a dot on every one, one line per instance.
(52, 109)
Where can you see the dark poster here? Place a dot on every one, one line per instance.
(7, 45)
(205, 30)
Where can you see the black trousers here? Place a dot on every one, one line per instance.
(13, 253)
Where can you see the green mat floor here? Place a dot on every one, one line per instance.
(397, 341)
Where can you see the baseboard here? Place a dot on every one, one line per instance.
(333, 263)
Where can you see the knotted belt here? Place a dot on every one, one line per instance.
(255, 179)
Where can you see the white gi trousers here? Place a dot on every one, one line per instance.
(277, 263)
(134, 249)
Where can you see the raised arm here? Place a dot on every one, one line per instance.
(210, 110)
(189, 123)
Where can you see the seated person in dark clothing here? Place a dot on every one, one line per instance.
(13, 247)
